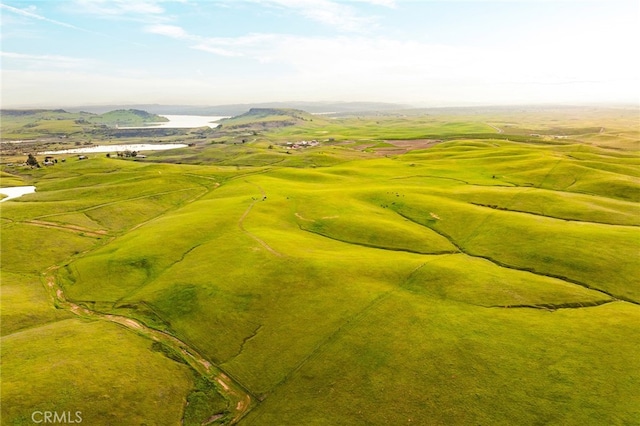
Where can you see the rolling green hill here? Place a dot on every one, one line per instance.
(128, 117)
(404, 270)
(38, 123)
(264, 118)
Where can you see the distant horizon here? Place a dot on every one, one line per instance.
(220, 52)
(284, 104)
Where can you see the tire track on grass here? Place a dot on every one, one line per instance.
(347, 325)
(97, 206)
(244, 216)
(499, 130)
(98, 233)
(350, 323)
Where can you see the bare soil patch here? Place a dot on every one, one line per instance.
(411, 144)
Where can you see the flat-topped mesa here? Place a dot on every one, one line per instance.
(267, 118)
(23, 112)
(133, 116)
(265, 112)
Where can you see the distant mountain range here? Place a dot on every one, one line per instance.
(237, 109)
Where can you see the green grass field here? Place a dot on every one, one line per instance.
(380, 277)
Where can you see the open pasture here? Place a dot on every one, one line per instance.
(473, 280)
(113, 374)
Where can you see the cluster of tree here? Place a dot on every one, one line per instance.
(125, 153)
(32, 161)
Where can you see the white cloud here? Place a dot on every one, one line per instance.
(65, 88)
(404, 69)
(148, 11)
(30, 13)
(223, 46)
(46, 61)
(339, 16)
(172, 31)
(386, 3)
(548, 66)
(216, 50)
(139, 7)
(254, 46)
(119, 7)
(383, 59)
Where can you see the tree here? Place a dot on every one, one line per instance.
(32, 161)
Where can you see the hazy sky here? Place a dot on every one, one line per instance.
(448, 52)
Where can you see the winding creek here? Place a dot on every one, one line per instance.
(239, 398)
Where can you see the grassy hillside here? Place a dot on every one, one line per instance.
(266, 118)
(404, 270)
(33, 124)
(127, 117)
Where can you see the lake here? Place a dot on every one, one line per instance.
(116, 148)
(16, 191)
(182, 122)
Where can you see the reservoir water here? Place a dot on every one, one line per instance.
(116, 148)
(16, 191)
(182, 122)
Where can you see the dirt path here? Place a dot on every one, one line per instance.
(299, 216)
(240, 401)
(412, 144)
(244, 216)
(255, 237)
(497, 129)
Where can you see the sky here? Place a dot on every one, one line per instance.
(60, 53)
